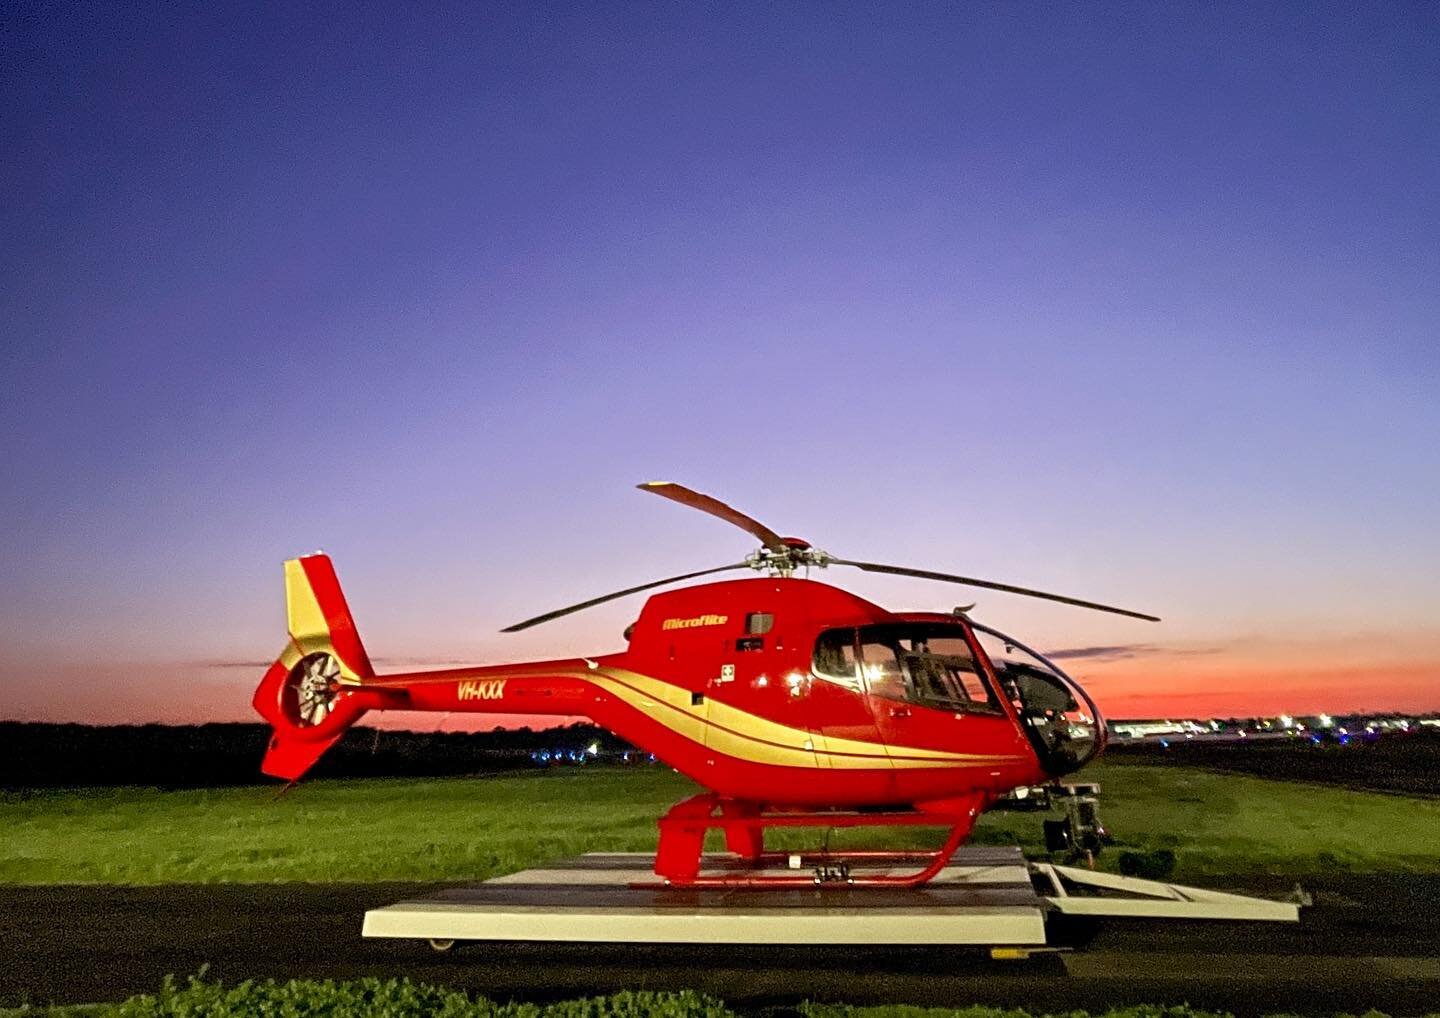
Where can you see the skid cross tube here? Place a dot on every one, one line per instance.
(683, 829)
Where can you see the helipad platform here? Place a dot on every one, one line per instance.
(987, 896)
(984, 897)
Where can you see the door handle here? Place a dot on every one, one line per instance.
(899, 712)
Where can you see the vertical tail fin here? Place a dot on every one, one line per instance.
(307, 694)
(319, 619)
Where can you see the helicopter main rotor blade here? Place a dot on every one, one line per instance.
(715, 507)
(925, 574)
(619, 593)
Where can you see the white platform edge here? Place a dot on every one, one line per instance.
(973, 925)
(912, 924)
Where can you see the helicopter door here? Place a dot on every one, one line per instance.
(926, 692)
(840, 716)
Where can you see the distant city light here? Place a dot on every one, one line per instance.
(1313, 728)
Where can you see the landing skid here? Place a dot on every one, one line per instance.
(678, 861)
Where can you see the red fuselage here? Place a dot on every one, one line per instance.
(722, 682)
(791, 701)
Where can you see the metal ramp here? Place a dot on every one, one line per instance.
(986, 897)
(1093, 893)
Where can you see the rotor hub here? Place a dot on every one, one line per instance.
(785, 560)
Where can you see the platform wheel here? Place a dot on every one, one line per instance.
(441, 946)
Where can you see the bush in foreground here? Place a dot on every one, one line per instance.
(370, 998)
(401, 998)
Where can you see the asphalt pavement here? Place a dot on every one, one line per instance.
(1369, 942)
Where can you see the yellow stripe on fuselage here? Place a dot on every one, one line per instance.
(745, 736)
(737, 733)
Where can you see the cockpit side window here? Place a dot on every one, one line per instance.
(926, 664)
(880, 663)
(835, 657)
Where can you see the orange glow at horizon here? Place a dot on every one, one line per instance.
(1362, 673)
(1241, 680)
(1143, 690)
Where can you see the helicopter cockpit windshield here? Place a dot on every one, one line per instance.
(1061, 721)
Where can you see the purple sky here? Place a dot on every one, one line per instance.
(1138, 303)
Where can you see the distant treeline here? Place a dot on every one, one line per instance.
(201, 756)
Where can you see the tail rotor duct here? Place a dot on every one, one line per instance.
(315, 683)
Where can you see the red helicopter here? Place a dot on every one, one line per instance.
(794, 703)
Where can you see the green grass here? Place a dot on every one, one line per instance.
(401, 998)
(470, 829)
(1227, 824)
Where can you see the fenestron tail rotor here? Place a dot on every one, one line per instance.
(315, 681)
(781, 556)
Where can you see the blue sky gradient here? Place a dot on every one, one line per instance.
(1134, 302)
